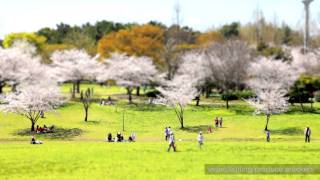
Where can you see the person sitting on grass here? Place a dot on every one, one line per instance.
(132, 137)
(109, 138)
(209, 129)
(110, 101)
(200, 139)
(45, 128)
(38, 129)
(307, 133)
(34, 141)
(172, 142)
(268, 135)
(119, 137)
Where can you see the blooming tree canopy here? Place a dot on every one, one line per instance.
(229, 64)
(30, 101)
(270, 80)
(19, 64)
(129, 71)
(194, 68)
(75, 65)
(307, 64)
(177, 94)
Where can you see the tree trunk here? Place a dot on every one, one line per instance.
(86, 114)
(208, 91)
(227, 103)
(182, 126)
(73, 93)
(198, 100)
(1, 87)
(129, 90)
(138, 91)
(14, 88)
(78, 86)
(32, 126)
(267, 123)
(301, 105)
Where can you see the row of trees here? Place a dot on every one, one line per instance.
(225, 66)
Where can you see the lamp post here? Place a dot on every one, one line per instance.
(306, 4)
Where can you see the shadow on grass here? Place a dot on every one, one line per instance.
(196, 129)
(288, 131)
(296, 109)
(145, 107)
(59, 133)
(92, 122)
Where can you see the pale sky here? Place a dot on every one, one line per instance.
(31, 15)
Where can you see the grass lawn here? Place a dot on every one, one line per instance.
(78, 149)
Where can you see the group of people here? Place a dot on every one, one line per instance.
(169, 136)
(119, 137)
(44, 129)
(105, 102)
(307, 134)
(217, 123)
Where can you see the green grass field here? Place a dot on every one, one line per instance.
(78, 149)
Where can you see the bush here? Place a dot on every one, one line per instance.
(317, 96)
(153, 94)
(246, 94)
(230, 96)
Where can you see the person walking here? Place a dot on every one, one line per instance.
(307, 133)
(166, 133)
(200, 139)
(172, 142)
(220, 122)
(268, 135)
(216, 122)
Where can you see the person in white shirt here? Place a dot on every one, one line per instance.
(172, 142)
(200, 139)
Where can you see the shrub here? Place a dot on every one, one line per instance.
(246, 94)
(317, 96)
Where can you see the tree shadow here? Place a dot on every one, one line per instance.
(59, 133)
(92, 122)
(196, 129)
(296, 109)
(288, 131)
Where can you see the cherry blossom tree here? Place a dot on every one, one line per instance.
(75, 65)
(270, 80)
(307, 64)
(194, 67)
(229, 64)
(129, 72)
(30, 101)
(19, 64)
(177, 94)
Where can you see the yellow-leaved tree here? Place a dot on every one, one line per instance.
(143, 40)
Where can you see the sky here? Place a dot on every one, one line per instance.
(32, 15)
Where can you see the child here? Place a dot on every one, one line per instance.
(200, 139)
